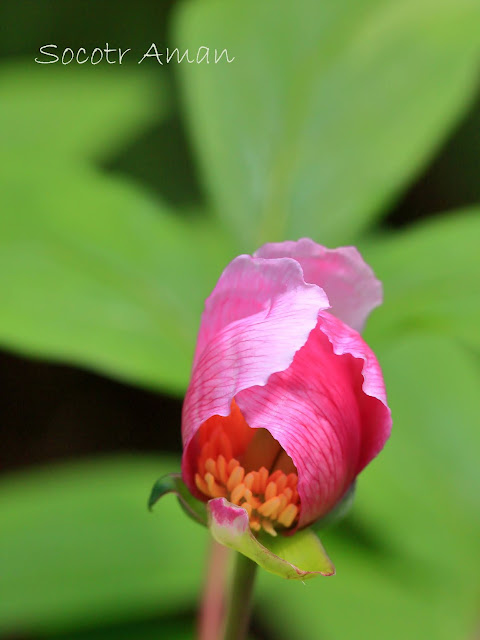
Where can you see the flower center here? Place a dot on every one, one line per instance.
(268, 493)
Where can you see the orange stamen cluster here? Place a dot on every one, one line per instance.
(270, 499)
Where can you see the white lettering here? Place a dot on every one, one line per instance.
(107, 51)
(169, 57)
(219, 57)
(205, 55)
(45, 53)
(155, 54)
(93, 56)
(121, 54)
(78, 59)
(71, 57)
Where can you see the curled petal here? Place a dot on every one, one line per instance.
(327, 410)
(298, 557)
(259, 315)
(375, 414)
(350, 284)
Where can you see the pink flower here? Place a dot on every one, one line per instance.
(286, 403)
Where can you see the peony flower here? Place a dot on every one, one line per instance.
(286, 403)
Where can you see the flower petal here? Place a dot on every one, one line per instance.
(246, 287)
(350, 284)
(327, 410)
(372, 398)
(259, 315)
(298, 557)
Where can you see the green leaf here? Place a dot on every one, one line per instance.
(430, 466)
(328, 109)
(173, 483)
(96, 272)
(296, 557)
(78, 545)
(430, 275)
(419, 500)
(57, 113)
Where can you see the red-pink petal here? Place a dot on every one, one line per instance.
(371, 396)
(259, 315)
(350, 284)
(328, 411)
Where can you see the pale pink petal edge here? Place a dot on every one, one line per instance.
(349, 282)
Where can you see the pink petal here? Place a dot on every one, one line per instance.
(259, 315)
(328, 411)
(230, 526)
(350, 284)
(371, 395)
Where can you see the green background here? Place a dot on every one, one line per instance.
(124, 191)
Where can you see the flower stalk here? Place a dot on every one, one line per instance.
(240, 598)
(212, 609)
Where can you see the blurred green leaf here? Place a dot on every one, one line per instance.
(431, 276)
(328, 109)
(78, 546)
(96, 272)
(51, 114)
(428, 476)
(420, 499)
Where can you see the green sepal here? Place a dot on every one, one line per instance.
(173, 483)
(296, 557)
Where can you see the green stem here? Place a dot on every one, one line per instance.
(240, 598)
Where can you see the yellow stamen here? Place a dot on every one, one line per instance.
(222, 469)
(288, 515)
(269, 507)
(267, 525)
(232, 464)
(213, 488)
(201, 484)
(236, 477)
(255, 524)
(270, 499)
(211, 467)
(238, 493)
(262, 479)
(270, 491)
(249, 479)
(248, 508)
